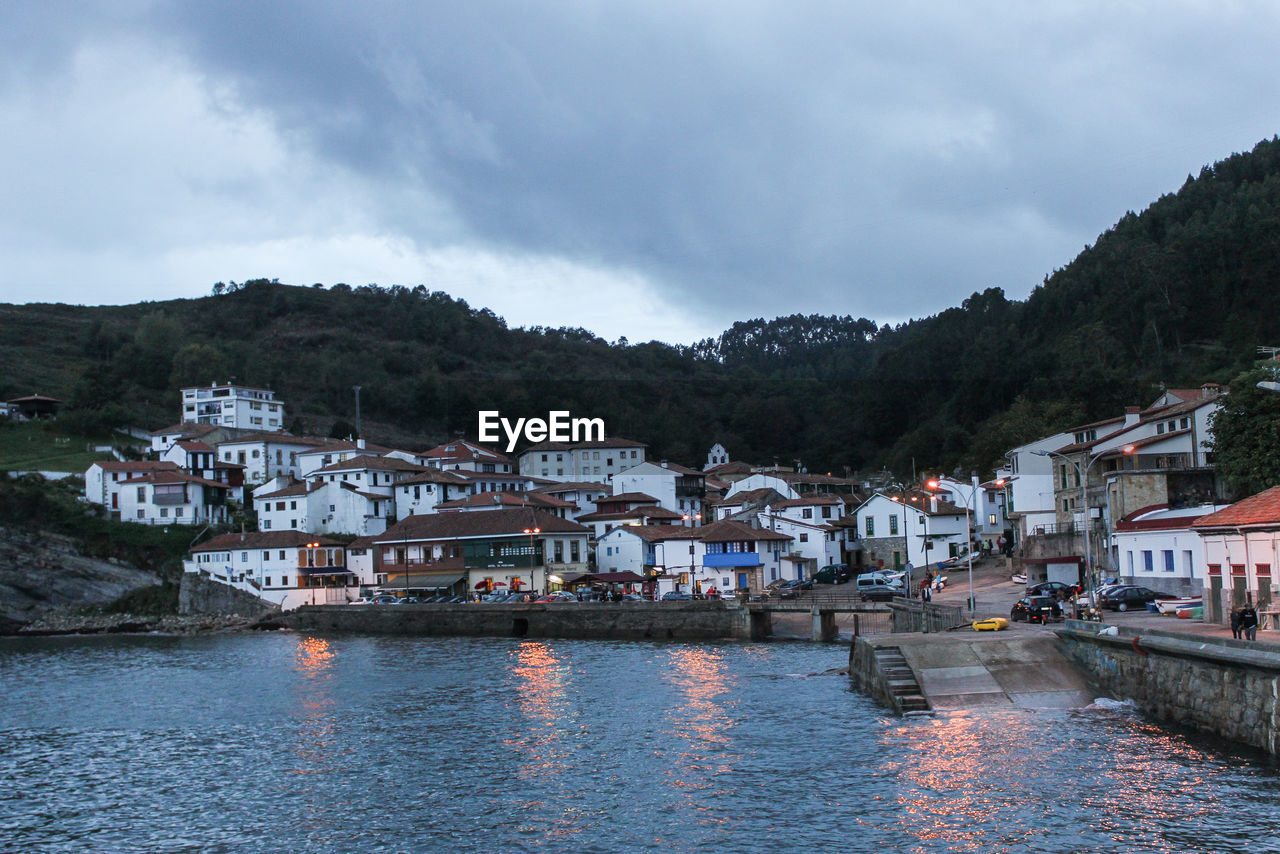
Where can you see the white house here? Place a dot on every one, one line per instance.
(267, 455)
(1241, 546)
(325, 507)
(464, 456)
(424, 492)
(288, 568)
(164, 437)
(172, 498)
(985, 500)
(919, 530)
(639, 548)
(678, 489)
(761, 481)
(233, 406)
(335, 452)
(596, 461)
(1029, 495)
(809, 521)
(373, 474)
(583, 495)
(1156, 547)
(102, 480)
(737, 556)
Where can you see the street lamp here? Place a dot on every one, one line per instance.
(906, 535)
(533, 554)
(1082, 474)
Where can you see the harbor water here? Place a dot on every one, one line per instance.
(306, 743)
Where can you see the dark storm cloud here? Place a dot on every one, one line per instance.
(798, 157)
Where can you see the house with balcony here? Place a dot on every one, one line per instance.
(168, 497)
(286, 568)
(737, 556)
(627, 509)
(230, 405)
(1112, 468)
(676, 488)
(103, 479)
(460, 552)
(201, 460)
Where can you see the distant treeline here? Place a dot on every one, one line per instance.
(1180, 294)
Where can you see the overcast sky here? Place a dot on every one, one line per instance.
(645, 169)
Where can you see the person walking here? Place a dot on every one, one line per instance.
(1249, 621)
(1235, 623)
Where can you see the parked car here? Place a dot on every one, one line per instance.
(634, 597)
(385, 599)
(1129, 596)
(1034, 609)
(676, 596)
(836, 573)
(791, 589)
(1050, 588)
(556, 597)
(879, 592)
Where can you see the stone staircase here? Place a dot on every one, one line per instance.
(900, 682)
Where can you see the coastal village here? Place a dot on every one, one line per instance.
(1133, 497)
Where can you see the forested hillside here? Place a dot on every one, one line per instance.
(1182, 293)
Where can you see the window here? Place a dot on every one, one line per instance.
(806, 513)
(267, 581)
(1130, 555)
(293, 505)
(164, 512)
(893, 526)
(1148, 562)
(1167, 554)
(871, 526)
(282, 554)
(284, 582)
(1187, 565)
(177, 512)
(991, 519)
(804, 538)
(266, 524)
(573, 551)
(279, 505)
(142, 493)
(244, 557)
(826, 512)
(142, 514)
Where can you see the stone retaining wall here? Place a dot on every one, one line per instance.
(1220, 686)
(595, 620)
(200, 595)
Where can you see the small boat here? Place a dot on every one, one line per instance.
(991, 624)
(1171, 606)
(1191, 612)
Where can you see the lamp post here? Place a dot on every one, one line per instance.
(906, 536)
(1082, 474)
(533, 554)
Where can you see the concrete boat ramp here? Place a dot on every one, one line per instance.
(918, 673)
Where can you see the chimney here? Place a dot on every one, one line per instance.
(933, 504)
(360, 444)
(1131, 415)
(663, 464)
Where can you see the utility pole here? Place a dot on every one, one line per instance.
(359, 434)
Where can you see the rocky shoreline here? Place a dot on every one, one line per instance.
(169, 624)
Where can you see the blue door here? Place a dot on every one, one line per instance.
(742, 580)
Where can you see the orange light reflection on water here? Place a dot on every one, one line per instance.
(316, 745)
(541, 681)
(701, 727)
(972, 778)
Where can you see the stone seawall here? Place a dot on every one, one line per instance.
(1225, 687)
(594, 620)
(204, 596)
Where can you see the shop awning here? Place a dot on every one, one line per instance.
(626, 577)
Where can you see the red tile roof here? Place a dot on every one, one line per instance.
(1260, 509)
(263, 540)
(463, 450)
(655, 533)
(726, 531)
(136, 465)
(367, 462)
(186, 428)
(645, 511)
(626, 497)
(433, 475)
(504, 499)
(491, 523)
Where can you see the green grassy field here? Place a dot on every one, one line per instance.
(40, 446)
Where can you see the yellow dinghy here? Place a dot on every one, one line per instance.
(991, 624)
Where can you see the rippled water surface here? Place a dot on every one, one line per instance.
(299, 743)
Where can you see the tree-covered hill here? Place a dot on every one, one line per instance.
(1181, 293)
